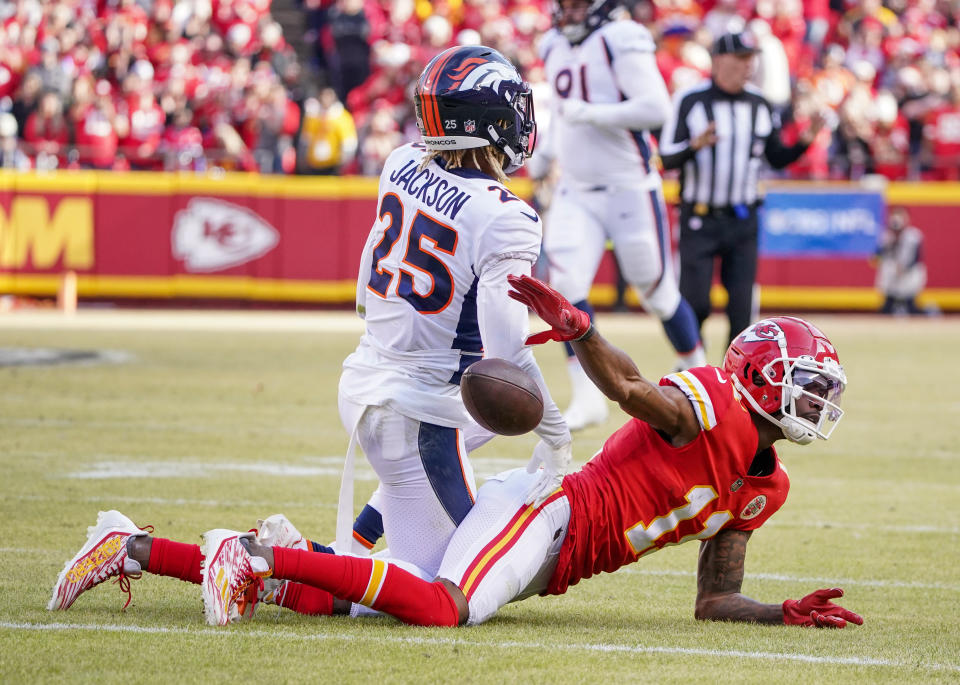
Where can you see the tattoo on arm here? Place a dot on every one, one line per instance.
(720, 577)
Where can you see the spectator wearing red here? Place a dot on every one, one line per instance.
(12, 64)
(400, 24)
(96, 130)
(393, 68)
(727, 16)
(834, 80)
(815, 162)
(890, 143)
(787, 24)
(378, 139)
(47, 132)
(941, 139)
(674, 54)
(182, 143)
(816, 15)
(145, 120)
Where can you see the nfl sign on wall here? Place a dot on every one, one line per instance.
(212, 235)
(818, 223)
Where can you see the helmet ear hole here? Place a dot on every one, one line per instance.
(757, 378)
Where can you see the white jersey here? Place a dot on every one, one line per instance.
(437, 232)
(588, 154)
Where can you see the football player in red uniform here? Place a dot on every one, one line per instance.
(695, 462)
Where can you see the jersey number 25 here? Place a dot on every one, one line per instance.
(422, 228)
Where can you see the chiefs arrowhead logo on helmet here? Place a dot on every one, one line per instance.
(212, 235)
(762, 331)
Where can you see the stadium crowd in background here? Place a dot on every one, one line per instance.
(191, 84)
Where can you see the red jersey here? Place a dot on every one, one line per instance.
(639, 493)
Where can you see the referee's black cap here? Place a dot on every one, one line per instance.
(742, 43)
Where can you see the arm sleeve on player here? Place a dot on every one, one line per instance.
(504, 324)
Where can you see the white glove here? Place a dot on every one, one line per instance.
(575, 111)
(552, 462)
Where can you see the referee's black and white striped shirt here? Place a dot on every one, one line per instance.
(748, 131)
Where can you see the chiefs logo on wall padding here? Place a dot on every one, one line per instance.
(212, 235)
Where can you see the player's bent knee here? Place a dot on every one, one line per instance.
(459, 599)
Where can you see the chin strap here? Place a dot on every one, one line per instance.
(793, 430)
(515, 160)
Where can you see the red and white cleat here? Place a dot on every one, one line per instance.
(231, 577)
(103, 556)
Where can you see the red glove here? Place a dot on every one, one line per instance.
(816, 610)
(566, 321)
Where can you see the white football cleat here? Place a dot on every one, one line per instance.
(103, 556)
(231, 577)
(277, 531)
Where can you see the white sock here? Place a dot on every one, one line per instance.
(697, 357)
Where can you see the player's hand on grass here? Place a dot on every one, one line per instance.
(566, 321)
(552, 463)
(817, 611)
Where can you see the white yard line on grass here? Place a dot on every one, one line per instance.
(824, 581)
(883, 527)
(274, 635)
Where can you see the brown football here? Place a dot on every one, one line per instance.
(501, 397)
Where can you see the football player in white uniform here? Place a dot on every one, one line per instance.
(432, 289)
(608, 95)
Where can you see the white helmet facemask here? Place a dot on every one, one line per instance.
(820, 383)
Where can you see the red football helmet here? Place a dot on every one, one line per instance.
(777, 361)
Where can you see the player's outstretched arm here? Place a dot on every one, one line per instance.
(720, 577)
(610, 369)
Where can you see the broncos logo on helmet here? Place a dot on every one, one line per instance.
(481, 73)
(472, 96)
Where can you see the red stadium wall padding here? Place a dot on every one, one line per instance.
(293, 239)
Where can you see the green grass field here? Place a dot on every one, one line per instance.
(216, 419)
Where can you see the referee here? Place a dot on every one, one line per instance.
(718, 136)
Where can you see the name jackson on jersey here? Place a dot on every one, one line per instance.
(430, 189)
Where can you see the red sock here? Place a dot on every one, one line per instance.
(374, 583)
(175, 559)
(305, 599)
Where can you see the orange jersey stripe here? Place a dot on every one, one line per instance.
(501, 544)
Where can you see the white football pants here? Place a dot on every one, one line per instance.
(578, 225)
(505, 550)
(426, 482)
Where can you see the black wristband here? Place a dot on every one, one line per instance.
(586, 336)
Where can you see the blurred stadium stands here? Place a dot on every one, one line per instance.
(195, 84)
